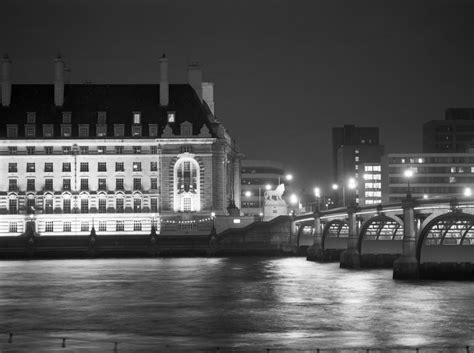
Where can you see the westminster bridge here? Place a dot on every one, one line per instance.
(431, 238)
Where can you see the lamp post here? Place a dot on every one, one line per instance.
(317, 195)
(408, 173)
(467, 192)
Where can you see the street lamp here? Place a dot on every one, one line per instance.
(293, 199)
(317, 195)
(467, 192)
(408, 173)
(248, 193)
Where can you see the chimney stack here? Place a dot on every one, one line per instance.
(6, 81)
(195, 78)
(208, 94)
(164, 84)
(58, 81)
(67, 75)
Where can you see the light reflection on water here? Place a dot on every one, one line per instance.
(244, 303)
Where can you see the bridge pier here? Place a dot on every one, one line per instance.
(316, 252)
(350, 258)
(407, 266)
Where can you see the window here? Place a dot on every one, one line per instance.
(30, 150)
(30, 184)
(377, 168)
(66, 184)
(186, 175)
(84, 130)
(66, 206)
(153, 150)
(84, 167)
(100, 149)
(153, 166)
(137, 183)
(48, 205)
(30, 204)
(119, 205)
(102, 205)
(66, 130)
(101, 166)
(13, 227)
(154, 204)
(102, 184)
(356, 151)
(119, 167)
(67, 226)
(137, 166)
(119, 226)
(12, 131)
(31, 117)
(48, 150)
(356, 158)
(84, 149)
(12, 168)
(154, 183)
(49, 226)
(119, 149)
(84, 205)
(48, 130)
(12, 185)
(136, 117)
(48, 184)
(84, 184)
(101, 117)
(101, 130)
(153, 130)
(30, 167)
(119, 184)
(102, 226)
(66, 167)
(30, 130)
(66, 117)
(187, 204)
(137, 149)
(13, 206)
(119, 130)
(137, 225)
(137, 205)
(84, 226)
(136, 130)
(48, 167)
(12, 150)
(66, 149)
(171, 117)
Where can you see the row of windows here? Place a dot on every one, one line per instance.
(372, 168)
(373, 194)
(432, 160)
(419, 179)
(262, 170)
(84, 184)
(83, 167)
(83, 150)
(85, 226)
(373, 185)
(84, 205)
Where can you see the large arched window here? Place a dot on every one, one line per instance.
(186, 184)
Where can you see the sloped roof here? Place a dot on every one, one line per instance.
(119, 101)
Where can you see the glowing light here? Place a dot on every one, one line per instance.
(236, 220)
(248, 193)
(261, 214)
(351, 183)
(317, 192)
(335, 186)
(425, 196)
(408, 173)
(468, 192)
(293, 199)
(213, 214)
(289, 177)
(268, 187)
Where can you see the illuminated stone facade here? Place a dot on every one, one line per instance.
(116, 157)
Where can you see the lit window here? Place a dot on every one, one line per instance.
(31, 118)
(356, 158)
(356, 167)
(368, 168)
(30, 167)
(377, 168)
(356, 151)
(421, 160)
(119, 226)
(137, 225)
(102, 225)
(137, 166)
(137, 149)
(136, 130)
(49, 226)
(171, 117)
(452, 180)
(101, 130)
(66, 117)
(136, 117)
(403, 160)
(100, 149)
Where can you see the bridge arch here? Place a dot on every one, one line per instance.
(304, 236)
(381, 227)
(441, 236)
(336, 228)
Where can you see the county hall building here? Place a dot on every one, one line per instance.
(116, 157)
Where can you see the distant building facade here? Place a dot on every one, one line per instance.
(119, 158)
(455, 134)
(434, 175)
(255, 175)
(352, 147)
(370, 185)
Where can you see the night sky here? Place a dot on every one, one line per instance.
(285, 72)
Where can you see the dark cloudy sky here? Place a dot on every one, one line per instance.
(285, 72)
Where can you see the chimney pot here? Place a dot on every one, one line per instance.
(6, 81)
(195, 78)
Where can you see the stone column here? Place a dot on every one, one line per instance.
(316, 252)
(407, 266)
(350, 258)
(237, 184)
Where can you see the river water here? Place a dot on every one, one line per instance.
(239, 304)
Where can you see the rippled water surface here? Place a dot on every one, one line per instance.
(247, 304)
